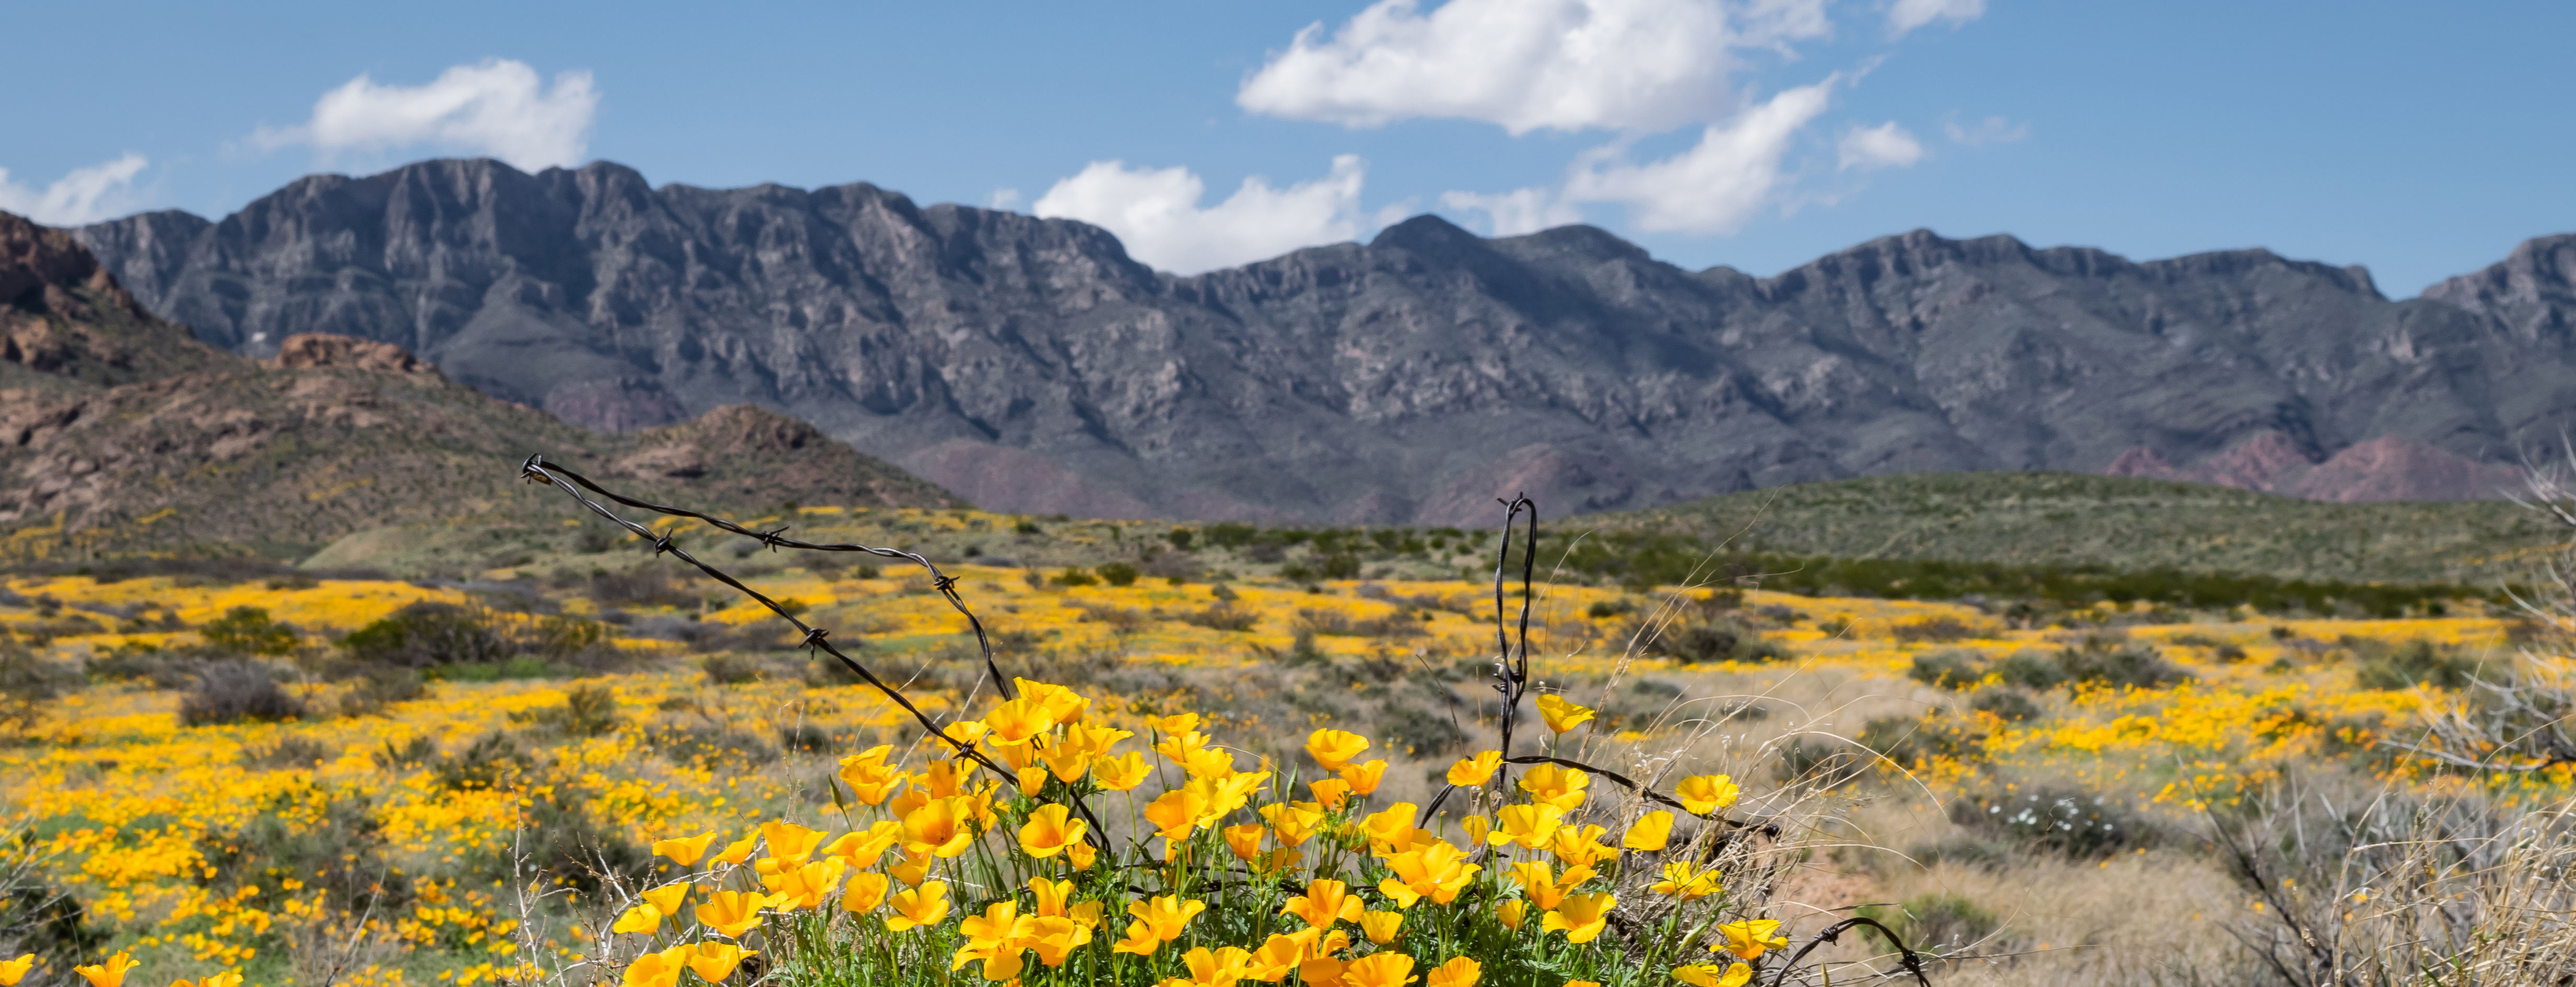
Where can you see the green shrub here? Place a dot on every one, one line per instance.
(380, 686)
(1341, 565)
(728, 669)
(1119, 574)
(1939, 922)
(234, 692)
(1180, 538)
(2031, 670)
(2069, 821)
(2418, 663)
(427, 635)
(1911, 741)
(1948, 668)
(2132, 664)
(2013, 705)
(1419, 731)
(29, 686)
(248, 631)
(492, 762)
(1075, 576)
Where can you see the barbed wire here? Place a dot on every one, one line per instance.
(1511, 666)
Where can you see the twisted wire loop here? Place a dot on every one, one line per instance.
(537, 470)
(1911, 961)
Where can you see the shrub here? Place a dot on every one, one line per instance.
(427, 635)
(806, 738)
(1340, 565)
(588, 711)
(1601, 609)
(2064, 820)
(1707, 641)
(492, 762)
(1816, 761)
(409, 754)
(2031, 670)
(232, 692)
(2134, 664)
(1939, 922)
(40, 918)
(1119, 574)
(1180, 538)
(29, 686)
(2012, 705)
(711, 747)
(342, 853)
(1221, 616)
(2419, 663)
(729, 669)
(1948, 668)
(380, 687)
(1075, 576)
(1913, 741)
(248, 631)
(1419, 731)
(286, 753)
(1941, 628)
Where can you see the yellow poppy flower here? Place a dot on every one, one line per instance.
(1392, 825)
(739, 850)
(12, 971)
(1217, 967)
(1512, 913)
(1013, 723)
(1363, 778)
(1437, 870)
(1581, 917)
(866, 890)
(1650, 832)
(1538, 881)
(1681, 880)
(1031, 779)
(666, 899)
(1476, 828)
(1325, 903)
(1561, 715)
(656, 969)
(1381, 927)
(1712, 975)
(1292, 822)
(994, 937)
(1378, 970)
(108, 974)
(642, 920)
(1703, 794)
(805, 887)
(1050, 830)
(788, 842)
(921, 906)
(715, 961)
(1122, 773)
(1175, 724)
(1531, 826)
(732, 912)
(1557, 786)
(912, 868)
(1581, 846)
(941, 828)
(1066, 760)
(1082, 854)
(1140, 940)
(1473, 771)
(862, 847)
(684, 851)
(1245, 841)
(1329, 792)
(1166, 916)
(1458, 972)
(1750, 938)
(1177, 812)
(1278, 956)
(1335, 748)
(947, 779)
(1055, 937)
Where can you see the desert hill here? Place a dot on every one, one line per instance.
(121, 435)
(1031, 365)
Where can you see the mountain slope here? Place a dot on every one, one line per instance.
(121, 435)
(1032, 366)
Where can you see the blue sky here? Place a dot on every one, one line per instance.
(2421, 140)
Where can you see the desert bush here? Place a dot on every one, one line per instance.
(1938, 922)
(412, 753)
(285, 753)
(2417, 663)
(806, 738)
(1222, 616)
(248, 631)
(587, 711)
(1419, 731)
(2031, 670)
(1941, 628)
(2056, 818)
(429, 635)
(493, 761)
(711, 746)
(1914, 741)
(1817, 761)
(2133, 664)
(731, 669)
(1706, 641)
(2012, 705)
(234, 691)
(341, 851)
(1948, 668)
(378, 687)
(30, 686)
(570, 848)
(1119, 574)
(1076, 576)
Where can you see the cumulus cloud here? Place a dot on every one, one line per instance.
(1524, 210)
(1884, 146)
(1003, 199)
(84, 195)
(1906, 15)
(1991, 130)
(1716, 185)
(498, 107)
(1156, 213)
(1645, 65)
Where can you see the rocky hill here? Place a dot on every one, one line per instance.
(122, 435)
(1032, 366)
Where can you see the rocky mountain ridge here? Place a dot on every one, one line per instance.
(121, 435)
(1032, 366)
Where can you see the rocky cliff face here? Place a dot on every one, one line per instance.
(120, 435)
(1030, 365)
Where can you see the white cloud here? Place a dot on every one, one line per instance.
(1906, 15)
(498, 108)
(1525, 210)
(1719, 183)
(1884, 146)
(1156, 213)
(1644, 65)
(85, 195)
(1003, 199)
(1991, 130)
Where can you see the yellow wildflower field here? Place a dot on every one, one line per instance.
(404, 844)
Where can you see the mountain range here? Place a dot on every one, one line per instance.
(121, 435)
(1030, 365)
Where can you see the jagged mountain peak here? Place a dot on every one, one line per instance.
(1032, 364)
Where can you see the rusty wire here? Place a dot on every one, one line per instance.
(1511, 666)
